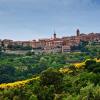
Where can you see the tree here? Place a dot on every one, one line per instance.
(89, 64)
(41, 66)
(52, 77)
(6, 69)
(16, 98)
(33, 97)
(6, 73)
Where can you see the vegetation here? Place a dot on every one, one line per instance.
(63, 76)
(19, 47)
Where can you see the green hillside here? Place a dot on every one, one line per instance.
(59, 76)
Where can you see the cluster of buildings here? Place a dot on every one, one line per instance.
(54, 44)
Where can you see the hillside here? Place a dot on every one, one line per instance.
(73, 84)
(53, 76)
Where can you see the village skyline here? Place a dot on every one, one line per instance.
(51, 36)
(54, 44)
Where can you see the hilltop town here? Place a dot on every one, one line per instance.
(66, 68)
(54, 44)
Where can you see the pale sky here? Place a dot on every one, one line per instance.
(33, 19)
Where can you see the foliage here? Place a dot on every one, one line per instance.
(63, 76)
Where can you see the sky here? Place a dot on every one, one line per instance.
(34, 19)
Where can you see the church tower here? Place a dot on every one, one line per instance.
(78, 32)
(54, 35)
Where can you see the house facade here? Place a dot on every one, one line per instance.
(55, 44)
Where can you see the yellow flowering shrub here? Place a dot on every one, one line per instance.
(97, 60)
(79, 65)
(17, 84)
(65, 70)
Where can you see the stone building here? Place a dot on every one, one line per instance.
(55, 44)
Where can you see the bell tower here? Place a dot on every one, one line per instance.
(54, 35)
(78, 32)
